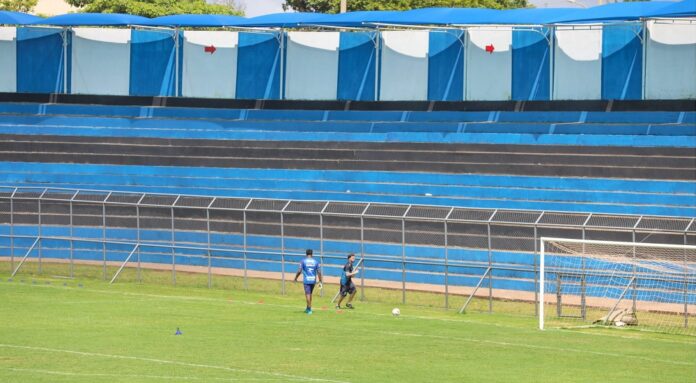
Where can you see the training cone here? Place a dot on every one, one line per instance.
(178, 332)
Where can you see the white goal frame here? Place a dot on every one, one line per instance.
(542, 270)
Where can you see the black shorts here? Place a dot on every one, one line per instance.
(348, 288)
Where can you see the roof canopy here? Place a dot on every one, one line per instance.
(93, 19)
(17, 18)
(196, 21)
(615, 12)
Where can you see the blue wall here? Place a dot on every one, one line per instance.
(260, 59)
(153, 66)
(40, 60)
(446, 66)
(258, 66)
(530, 65)
(622, 62)
(356, 66)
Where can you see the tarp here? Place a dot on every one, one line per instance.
(354, 19)
(443, 16)
(40, 60)
(17, 18)
(282, 20)
(614, 11)
(210, 64)
(258, 66)
(534, 16)
(680, 9)
(356, 66)
(311, 70)
(93, 19)
(196, 21)
(101, 61)
(8, 59)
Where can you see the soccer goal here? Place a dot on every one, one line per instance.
(605, 283)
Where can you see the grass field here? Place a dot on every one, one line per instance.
(85, 330)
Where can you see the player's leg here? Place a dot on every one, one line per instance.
(308, 297)
(351, 290)
(342, 294)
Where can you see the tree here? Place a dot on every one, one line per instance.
(156, 8)
(18, 5)
(332, 6)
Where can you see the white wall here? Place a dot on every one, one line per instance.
(311, 71)
(8, 59)
(101, 61)
(404, 65)
(205, 74)
(489, 75)
(578, 63)
(670, 67)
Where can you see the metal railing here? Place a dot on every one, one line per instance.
(442, 245)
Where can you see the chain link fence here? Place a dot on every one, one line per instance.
(464, 258)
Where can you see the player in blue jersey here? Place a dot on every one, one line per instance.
(347, 285)
(311, 274)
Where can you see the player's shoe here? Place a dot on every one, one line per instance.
(309, 311)
(338, 307)
(350, 306)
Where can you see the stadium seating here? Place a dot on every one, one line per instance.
(600, 162)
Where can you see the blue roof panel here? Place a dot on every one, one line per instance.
(282, 20)
(681, 9)
(17, 18)
(196, 21)
(612, 12)
(94, 19)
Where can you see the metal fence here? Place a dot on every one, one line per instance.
(458, 250)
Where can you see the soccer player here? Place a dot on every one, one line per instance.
(347, 285)
(309, 268)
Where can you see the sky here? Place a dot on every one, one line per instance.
(262, 7)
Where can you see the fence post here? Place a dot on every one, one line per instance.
(403, 260)
(137, 216)
(173, 243)
(244, 238)
(686, 281)
(210, 262)
(536, 272)
(104, 235)
(635, 271)
(40, 232)
(490, 265)
(446, 268)
(282, 254)
(321, 246)
(362, 256)
(12, 248)
(72, 233)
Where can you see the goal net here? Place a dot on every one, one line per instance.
(640, 285)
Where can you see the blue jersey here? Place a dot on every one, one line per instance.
(309, 268)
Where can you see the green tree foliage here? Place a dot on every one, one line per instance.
(154, 8)
(332, 6)
(18, 5)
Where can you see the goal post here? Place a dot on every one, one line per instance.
(609, 283)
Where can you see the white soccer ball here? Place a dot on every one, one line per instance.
(619, 323)
(396, 312)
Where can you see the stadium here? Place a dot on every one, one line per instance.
(518, 188)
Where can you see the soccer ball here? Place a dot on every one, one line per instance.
(396, 312)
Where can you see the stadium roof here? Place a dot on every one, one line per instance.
(93, 19)
(196, 21)
(17, 18)
(614, 12)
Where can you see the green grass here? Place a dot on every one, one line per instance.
(53, 330)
